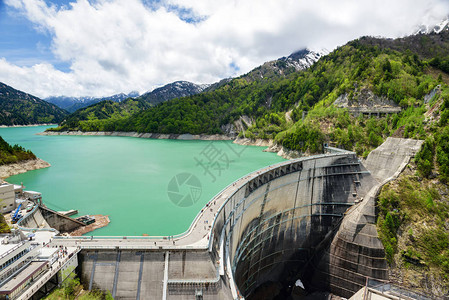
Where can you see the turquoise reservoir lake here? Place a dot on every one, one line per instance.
(128, 178)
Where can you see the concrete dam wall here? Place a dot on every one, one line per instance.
(272, 228)
(312, 219)
(275, 225)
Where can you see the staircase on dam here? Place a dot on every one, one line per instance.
(311, 219)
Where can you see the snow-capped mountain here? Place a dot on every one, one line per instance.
(173, 90)
(72, 104)
(425, 29)
(297, 61)
(303, 59)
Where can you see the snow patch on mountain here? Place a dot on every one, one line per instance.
(173, 90)
(71, 104)
(437, 28)
(303, 59)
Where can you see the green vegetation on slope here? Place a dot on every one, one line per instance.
(101, 116)
(409, 202)
(13, 154)
(4, 228)
(19, 108)
(412, 226)
(72, 289)
(414, 209)
(400, 77)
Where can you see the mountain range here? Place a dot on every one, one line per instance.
(280, 68)
(72, 104)
(169, 91)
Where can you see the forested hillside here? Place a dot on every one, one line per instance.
(12, 154)
(103, 114)
(19, 108)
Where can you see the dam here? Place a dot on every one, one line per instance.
(311, 219)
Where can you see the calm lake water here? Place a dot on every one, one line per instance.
(128, 178)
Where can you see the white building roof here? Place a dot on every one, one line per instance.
(6, 247)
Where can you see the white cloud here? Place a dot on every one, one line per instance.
(117, 46)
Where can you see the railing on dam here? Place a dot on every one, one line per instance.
(389, 289)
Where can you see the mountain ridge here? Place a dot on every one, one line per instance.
(173, 90)
(20, 108)
(284, 67)
(71, 104)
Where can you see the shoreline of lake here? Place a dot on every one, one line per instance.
(22, 167)
(270, 144)
(185, 136)
(29, 125)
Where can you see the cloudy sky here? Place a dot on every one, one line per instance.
(104, 47)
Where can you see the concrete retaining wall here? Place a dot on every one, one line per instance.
(34, 220)
(58, 221)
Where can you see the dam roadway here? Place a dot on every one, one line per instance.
(278, 224)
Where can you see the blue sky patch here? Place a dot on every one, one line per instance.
(234, 67)
(186, 14)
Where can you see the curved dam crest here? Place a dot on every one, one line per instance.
(311, 219)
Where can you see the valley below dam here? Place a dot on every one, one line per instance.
(133, 181)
